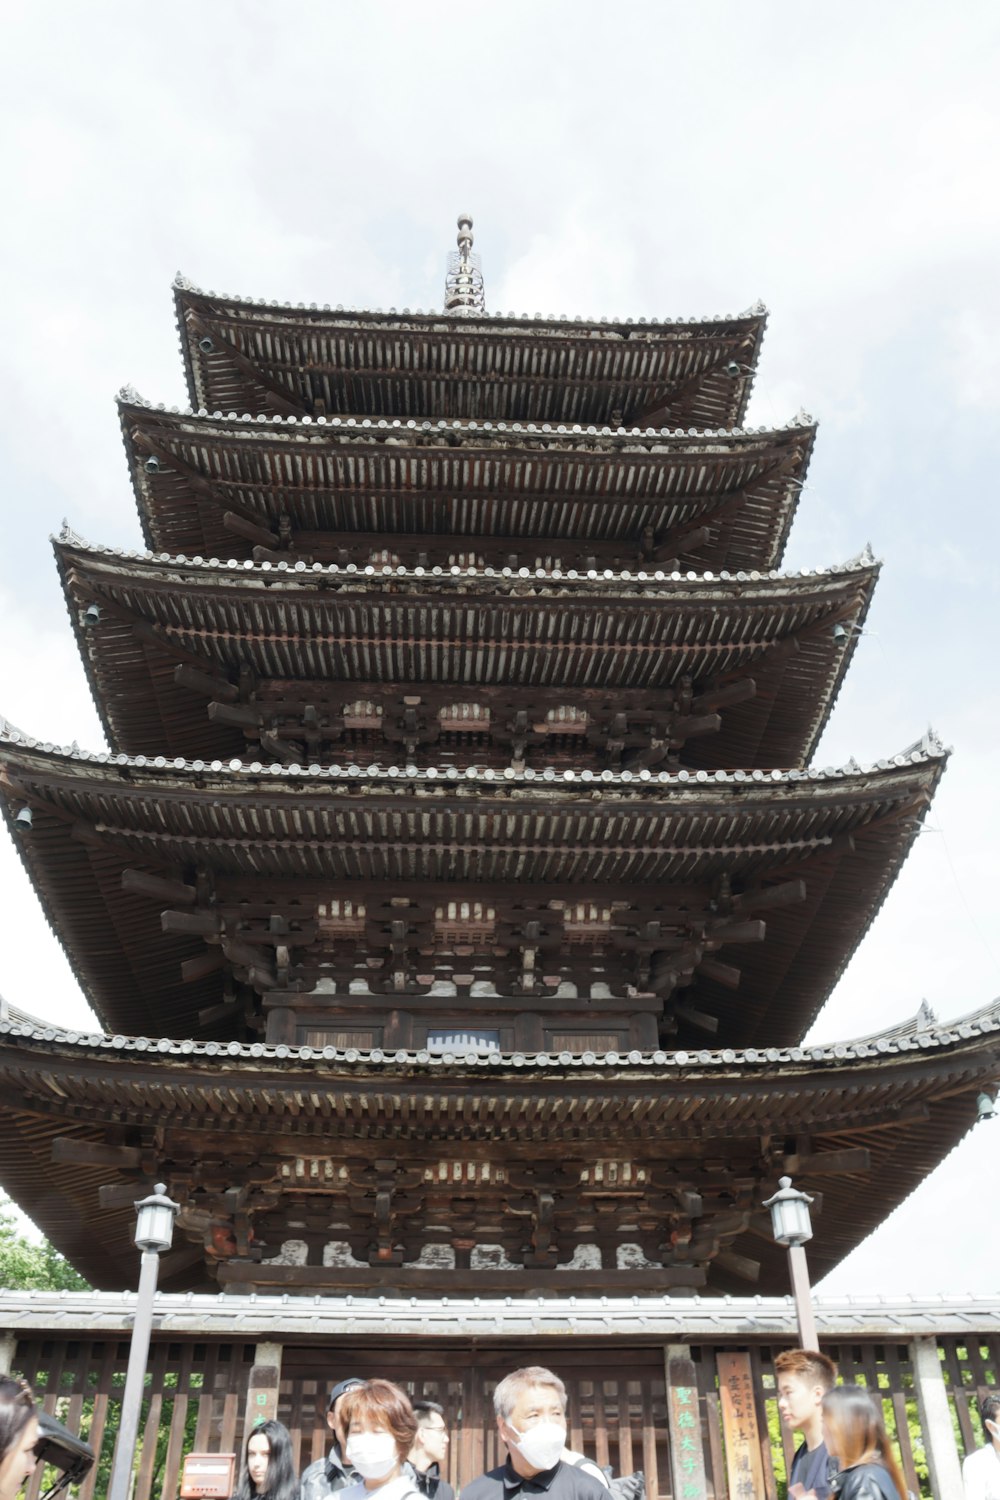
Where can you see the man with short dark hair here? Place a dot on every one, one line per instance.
(803, 1377)
(530, 1406)
(430, 1451)
(981, 1470)
(328, 1475)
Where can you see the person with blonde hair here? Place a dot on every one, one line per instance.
(855, 1435)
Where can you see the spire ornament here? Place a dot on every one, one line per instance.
(463, 285)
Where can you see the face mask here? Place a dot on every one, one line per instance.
(373, 1454)
(541, 1445)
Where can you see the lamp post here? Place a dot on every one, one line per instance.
(154, 1232)
(792, 1227)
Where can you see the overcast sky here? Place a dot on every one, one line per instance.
(838, 160)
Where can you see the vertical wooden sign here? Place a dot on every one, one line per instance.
(264, 1386)
(739, 1427)
(687, 1459)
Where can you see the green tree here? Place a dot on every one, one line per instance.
(29, 1265)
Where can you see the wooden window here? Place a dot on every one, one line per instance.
(328, 1037)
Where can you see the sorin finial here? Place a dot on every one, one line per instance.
(463, 285)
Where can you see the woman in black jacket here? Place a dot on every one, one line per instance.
(855, 1435)
(268, 1467)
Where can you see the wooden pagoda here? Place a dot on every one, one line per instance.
(455, 891)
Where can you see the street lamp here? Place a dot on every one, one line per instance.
(154, 1232)
(792, 1228)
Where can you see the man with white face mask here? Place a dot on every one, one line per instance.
(530, 1407)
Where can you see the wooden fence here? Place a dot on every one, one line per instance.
(197, 1399)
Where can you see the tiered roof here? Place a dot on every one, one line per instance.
(460, 704)
(310, 882)
(348, 489)
(616, 669)
(278, 360)
(654, 1164)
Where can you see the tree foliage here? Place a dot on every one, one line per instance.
(29, 1265)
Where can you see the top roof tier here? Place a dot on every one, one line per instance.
(269, 359)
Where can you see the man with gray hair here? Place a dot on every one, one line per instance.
(530, 1406)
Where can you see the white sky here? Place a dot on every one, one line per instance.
(839, 160)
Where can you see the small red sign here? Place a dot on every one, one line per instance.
(208, 1474)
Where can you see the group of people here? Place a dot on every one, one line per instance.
(845, 1451)
(385, 1447)
(381, 1441)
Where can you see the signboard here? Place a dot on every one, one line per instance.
(687, 1461)
(741, 1435)
(209, 1475)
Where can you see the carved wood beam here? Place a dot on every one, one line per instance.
(332, 1280)
(205, 683)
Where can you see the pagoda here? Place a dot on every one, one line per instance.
(456, 888)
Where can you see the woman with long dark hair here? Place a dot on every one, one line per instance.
(381, 1428)
(855, 1436)
(18, 1435)
(268, 1471)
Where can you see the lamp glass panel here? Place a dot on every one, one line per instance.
(155, 1227)
(792, 1225)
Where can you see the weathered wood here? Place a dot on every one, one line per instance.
(141, 883)
(249, 529)
(741, 1433)
(201, 923)
(193, 969)
(205, 683)
(850, 1159)
(94, 1153)
(328, 1279)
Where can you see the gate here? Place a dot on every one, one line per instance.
(210, 1356)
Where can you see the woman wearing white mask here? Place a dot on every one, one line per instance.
(381, 1428)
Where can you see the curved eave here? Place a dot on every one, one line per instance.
(269, 360)
(540, 634)
(906, 1100)
(355, 481)
(845, 833)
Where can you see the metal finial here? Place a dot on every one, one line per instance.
(463, 284)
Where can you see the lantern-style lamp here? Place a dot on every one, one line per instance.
(790, 1214)
(154, 1228)
(792, 1228)
(154, 1233)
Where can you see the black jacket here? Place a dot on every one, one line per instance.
(430, 1483)
(326, 1476)
(864, 1482)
